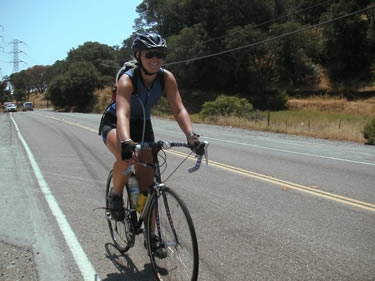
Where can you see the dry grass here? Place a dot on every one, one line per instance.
(104, 98)
(39, 101)
(285, 122)
(333, 104)
(321, 117)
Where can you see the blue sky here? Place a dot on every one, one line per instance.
(50, 29)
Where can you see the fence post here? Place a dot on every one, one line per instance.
(268, 119)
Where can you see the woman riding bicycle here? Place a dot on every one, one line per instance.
(123, 121)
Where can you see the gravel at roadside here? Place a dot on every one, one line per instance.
(16, 254)
(16, 263)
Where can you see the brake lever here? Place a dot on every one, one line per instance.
(206, 152)
(199, 159)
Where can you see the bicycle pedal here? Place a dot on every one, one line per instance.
(160, 253)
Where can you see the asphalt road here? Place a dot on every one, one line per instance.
(268, 207)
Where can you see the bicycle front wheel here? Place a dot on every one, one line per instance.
(171, 238)
(121, 231)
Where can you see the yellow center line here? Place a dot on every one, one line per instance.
(283, 183)
(289, 185)
(76, 124)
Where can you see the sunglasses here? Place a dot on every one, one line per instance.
(159, 55)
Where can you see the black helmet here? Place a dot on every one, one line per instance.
(148, 41)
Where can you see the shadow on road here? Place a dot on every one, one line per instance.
(126, 267)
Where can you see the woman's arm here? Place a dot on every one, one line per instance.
(124, 91)
(175, 103)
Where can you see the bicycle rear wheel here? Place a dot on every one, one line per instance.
(177, 238)
(121, 231)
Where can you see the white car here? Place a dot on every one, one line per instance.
(10, 107)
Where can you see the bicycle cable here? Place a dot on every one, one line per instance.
(178, 166)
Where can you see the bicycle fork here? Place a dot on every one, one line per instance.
(159, 193)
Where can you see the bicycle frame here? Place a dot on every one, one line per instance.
(157, 186)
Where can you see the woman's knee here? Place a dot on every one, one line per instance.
(113, 144)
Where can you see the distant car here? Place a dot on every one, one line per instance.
(28, 106)
(10, 107)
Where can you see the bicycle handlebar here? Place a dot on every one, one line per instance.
(159, 145)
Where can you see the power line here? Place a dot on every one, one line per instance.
(266, 22)
(274, 37)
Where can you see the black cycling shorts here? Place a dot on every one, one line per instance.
(136, 128)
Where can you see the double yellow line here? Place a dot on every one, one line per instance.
(286, 185)
(76, 124)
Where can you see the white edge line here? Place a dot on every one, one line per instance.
(294, 152)
(87, 270)
(289, 151)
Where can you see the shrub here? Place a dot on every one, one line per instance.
(273, 99)
(227, 106)
(162, 107)
(277, 100)
(369, 132)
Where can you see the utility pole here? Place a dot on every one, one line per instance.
(16, 61)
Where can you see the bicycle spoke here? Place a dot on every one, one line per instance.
(178, 239)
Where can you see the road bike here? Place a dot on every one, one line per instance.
(164, 214)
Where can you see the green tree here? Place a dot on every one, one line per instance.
(38, 78)
(293, 66)
(346, 48)
(188, 44)
(28, 81)
(124, 53)
(22, 84)
(369, 132)
(75, 87)
(55, 91)
(199, 28)
(307, 11)
(103, 57)
(4, 92)
(58, 68)
(253, 67)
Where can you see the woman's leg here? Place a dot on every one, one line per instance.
(114, 145)
(145, 175)
(116, 201)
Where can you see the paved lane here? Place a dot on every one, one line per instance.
(269, 207)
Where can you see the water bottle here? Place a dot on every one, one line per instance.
(141, 202)
(133, 190)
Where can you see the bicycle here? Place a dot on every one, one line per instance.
(172, 221)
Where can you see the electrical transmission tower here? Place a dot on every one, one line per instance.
(16, 61)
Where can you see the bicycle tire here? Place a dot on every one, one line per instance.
(121, 234)
(182, 258)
